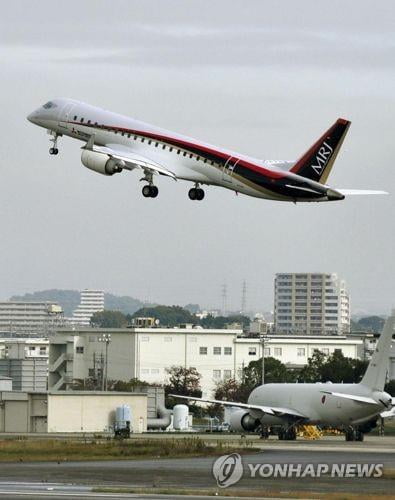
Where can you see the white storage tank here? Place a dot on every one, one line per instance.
(123, 419)
(181, 417)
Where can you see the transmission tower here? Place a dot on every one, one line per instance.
(244, 297)
(224, 294)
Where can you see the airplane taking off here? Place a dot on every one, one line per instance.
(115, 143)
(354, 408)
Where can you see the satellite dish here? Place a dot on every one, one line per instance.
(157, 322)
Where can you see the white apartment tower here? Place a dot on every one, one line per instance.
(91, 301)
(311, 304)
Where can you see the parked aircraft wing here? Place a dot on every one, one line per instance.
(270, 410)
(130, 158)
(359, 399)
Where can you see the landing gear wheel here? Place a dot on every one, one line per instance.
(192, 193)
(199, 194)
(154, 191)
(53, 151)
(350, 434)
(146, 191)
(150, 191)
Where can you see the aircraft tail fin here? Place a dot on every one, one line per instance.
(317, 162)
(376, 372)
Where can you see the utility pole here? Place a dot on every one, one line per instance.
(263, 339)
(106, 338)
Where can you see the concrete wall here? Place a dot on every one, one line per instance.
(23, 412)
(93, 411)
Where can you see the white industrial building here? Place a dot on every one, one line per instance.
(311, 304)
(30, 317)
(146, 353)
(68, 411)
(91, 301)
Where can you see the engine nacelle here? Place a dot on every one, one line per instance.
(242, 421)
(101, 163)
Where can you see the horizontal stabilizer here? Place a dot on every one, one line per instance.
(354, 192)
(358, 399)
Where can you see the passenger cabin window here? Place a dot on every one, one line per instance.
(75, 117)
(82, 120)
(149, 142)
(89, 122)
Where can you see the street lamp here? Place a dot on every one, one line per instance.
(263, 339)
(106, 337)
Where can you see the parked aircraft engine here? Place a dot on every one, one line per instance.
(101, 163)
(242, 421)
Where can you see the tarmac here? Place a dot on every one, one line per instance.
(79, 479)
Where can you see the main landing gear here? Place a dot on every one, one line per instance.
(196, 193)
(54, 149)
(287, 433)
(150, 191)
(353, 434)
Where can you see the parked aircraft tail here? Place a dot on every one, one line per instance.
(376, 372)
(317, 162)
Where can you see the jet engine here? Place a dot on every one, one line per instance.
(101, 163)
(242, 421)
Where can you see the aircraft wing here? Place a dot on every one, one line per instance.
(358, 399)
(356, 192)
(270, 410)
(129, 157)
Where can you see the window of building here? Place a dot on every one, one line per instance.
(278, 351)
(252, 351)
(202, 350)
(155, 371)
(325, 350)
(301, 351)
(216, 350)
(192, 339)
(79, 349)
(144, 371)
(168, 339)
(216, 374)
(145, 338)
(267, 351)
(339, 351)
(228, 351)
(227, 374)
(43, 350)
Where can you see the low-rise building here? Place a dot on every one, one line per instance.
(147, 353)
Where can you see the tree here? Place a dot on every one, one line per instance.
(221, 321)
(182, 381)
(110, 319)
(275, 371)
(192, 308)
(167, 315)
(311, 373)
(390, 387)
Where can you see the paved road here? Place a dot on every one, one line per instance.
(196, 472)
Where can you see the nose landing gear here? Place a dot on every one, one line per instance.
(54, 149)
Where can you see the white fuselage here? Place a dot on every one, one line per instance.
(321, 408)
(187, 158)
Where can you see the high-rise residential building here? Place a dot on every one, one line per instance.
(30, 318)
(91, 301)
(311, 304)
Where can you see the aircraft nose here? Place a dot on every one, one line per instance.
(33, 117)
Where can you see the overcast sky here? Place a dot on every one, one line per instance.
(265, 78)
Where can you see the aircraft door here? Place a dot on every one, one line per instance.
(66, 116)
(228, 169)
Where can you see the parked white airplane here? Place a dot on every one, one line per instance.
(353, 408)
(115, 143)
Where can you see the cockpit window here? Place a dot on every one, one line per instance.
(49, 105)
